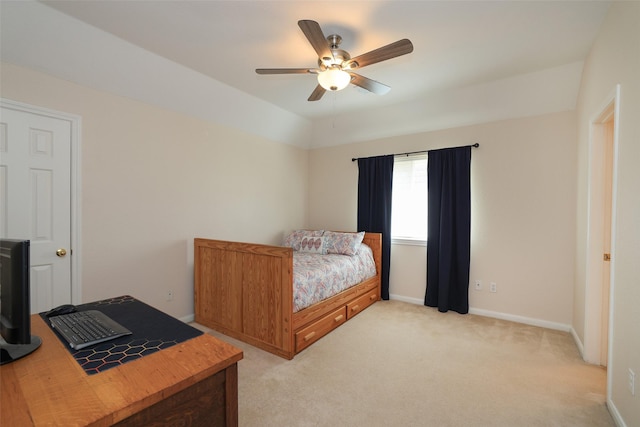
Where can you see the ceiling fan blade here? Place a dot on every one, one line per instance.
(313, 32)
(285, 71)
(399, 48)
(368, 84)
(317, 93)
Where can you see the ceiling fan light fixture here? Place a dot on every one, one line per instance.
(334, 79)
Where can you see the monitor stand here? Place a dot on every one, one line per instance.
(11, 352)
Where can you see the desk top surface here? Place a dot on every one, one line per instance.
(48, 387)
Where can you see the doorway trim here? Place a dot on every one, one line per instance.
(595, 229)
(75, 122)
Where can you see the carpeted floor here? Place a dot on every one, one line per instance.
(399, 364)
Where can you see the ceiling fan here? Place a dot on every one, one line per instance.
(335, 66)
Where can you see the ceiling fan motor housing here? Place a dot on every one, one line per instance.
(339, 56)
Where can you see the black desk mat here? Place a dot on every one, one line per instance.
(152, 330)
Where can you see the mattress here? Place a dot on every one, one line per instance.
(318, 277)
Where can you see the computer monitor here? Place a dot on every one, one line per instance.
(15, 304)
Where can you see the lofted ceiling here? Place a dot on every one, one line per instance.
(457, 44)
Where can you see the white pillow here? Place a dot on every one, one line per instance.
(343, 243)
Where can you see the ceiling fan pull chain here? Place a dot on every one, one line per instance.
(335, 96)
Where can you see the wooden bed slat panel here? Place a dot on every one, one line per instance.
(262, 298)
(224, 305)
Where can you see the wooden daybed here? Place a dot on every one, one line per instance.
(245, 291)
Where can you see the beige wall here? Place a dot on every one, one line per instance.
(615, 59)
(152, 180)
(523, 211)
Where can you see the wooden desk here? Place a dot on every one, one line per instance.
(194, 382)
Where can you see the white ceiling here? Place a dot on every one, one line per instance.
(458, 45)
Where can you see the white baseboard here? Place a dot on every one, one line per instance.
(187, 319)
(497, 315)
(521, 319)
(578, 342)
(406, 299)
(615, 414)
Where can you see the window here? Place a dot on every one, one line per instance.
(409, 200)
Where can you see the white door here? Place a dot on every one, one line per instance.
(600, 233)
(35, 186)
(608, 136)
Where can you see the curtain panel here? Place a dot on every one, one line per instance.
(449, 229)
(375, 180)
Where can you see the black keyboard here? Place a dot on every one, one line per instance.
(85, 328)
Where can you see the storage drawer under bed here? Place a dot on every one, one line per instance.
(356, 306)
(321, 327)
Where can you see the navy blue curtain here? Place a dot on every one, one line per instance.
(449, 229)
(375, 178)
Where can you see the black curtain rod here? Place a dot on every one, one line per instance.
(476, 145)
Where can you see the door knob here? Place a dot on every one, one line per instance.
(61, 252)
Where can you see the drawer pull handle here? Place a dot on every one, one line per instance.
(355, 307)
(339, 318)
(372, 297)
(309, 336)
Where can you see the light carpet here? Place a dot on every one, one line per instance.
(400, 364)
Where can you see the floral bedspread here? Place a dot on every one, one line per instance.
(317, 277)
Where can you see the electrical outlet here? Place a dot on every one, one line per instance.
(493, 287)
(632, 382)
(169, 295)
(478, 285)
